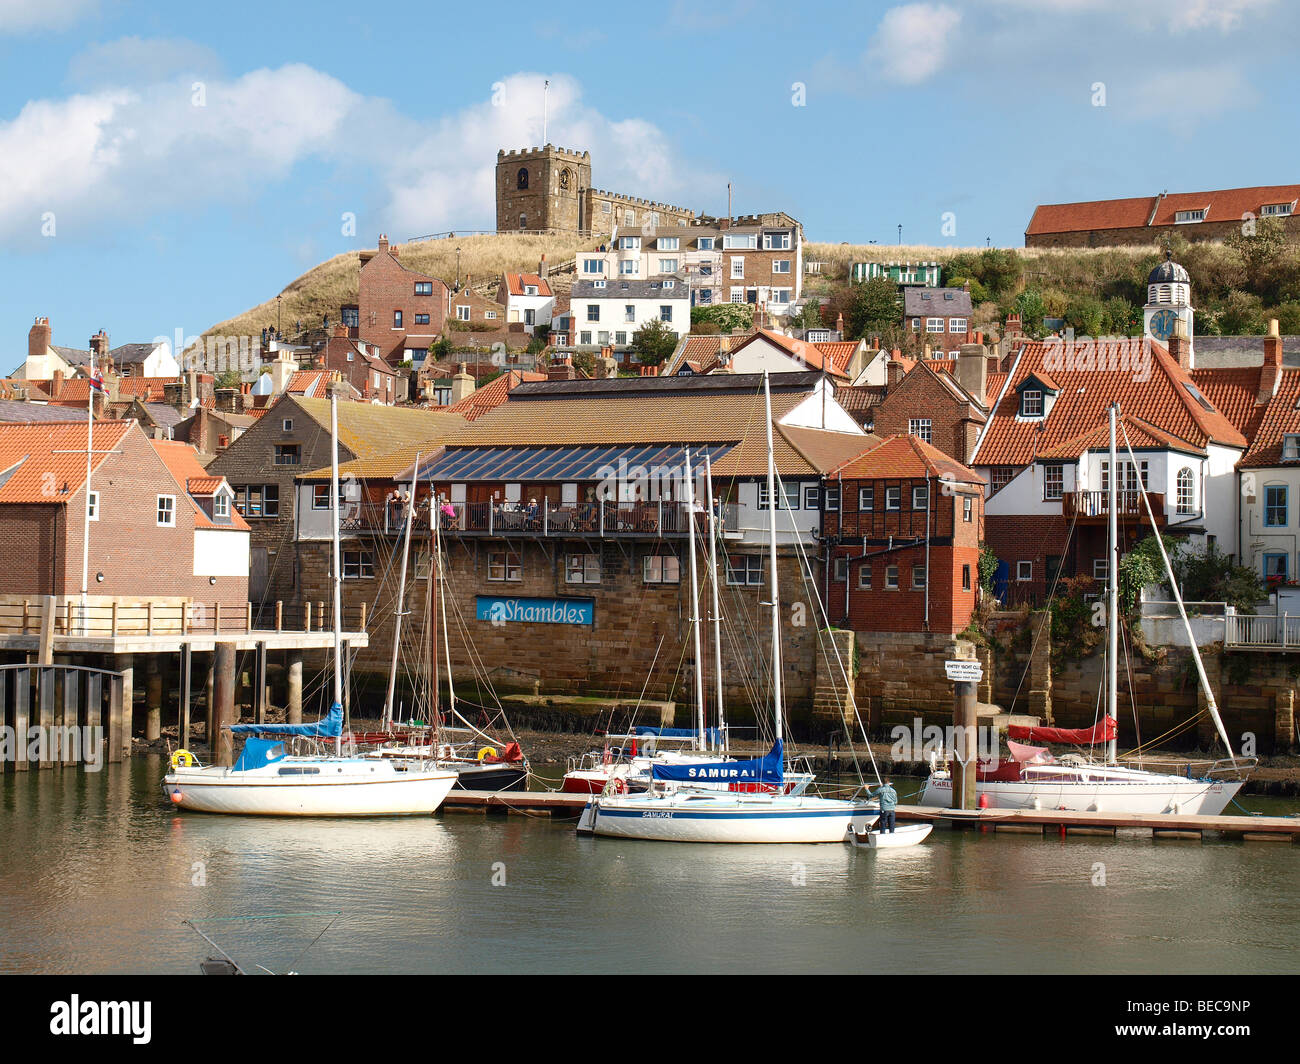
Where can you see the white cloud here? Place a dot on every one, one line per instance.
(116, 155)
(1181, 101)
(1220, 15)
(26, 16)
(913, 42)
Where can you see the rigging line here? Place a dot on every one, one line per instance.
(1132, 697)
(1069, 535)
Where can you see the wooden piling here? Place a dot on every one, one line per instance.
(153, 697)
(126, 665)
(293, 699)
(22, 710)
(117, 746)
(68, 717)
(222, 742)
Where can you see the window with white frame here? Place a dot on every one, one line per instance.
(583, 568)
(629, 243)
(812, 496)
(665, 312)
(920, 428)
(668, 243)
(1100, 569)
(660, 569)
(780, 296)
(1183, 217)
(1291, 448)
(920, 497)
(780, 265)
(832, 500)
(737, 295)
(628, 267)
(705, 243)
(967, 509)
(629, 312)
(593, 312)
(1031, 403)
(1186, 491)
(1276, 208)
(918, 578)
(891, 578)
(745, 570)
(789, 496)
(504, 566)
(956, 325)
(893, 498)
(737, 267)
(462, 313)
(92, 506)
(593, 265)
(1024, 571)
(221, 505)
(841, 570)
(1053, 481)
(934, 325)
(776, 241)
(167, 511)
(864, 577)
(866, 498)
(739, 241)
(424, 288)
(667, 265)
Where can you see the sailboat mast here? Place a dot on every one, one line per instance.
(695, 602)
(771, 533)
(442, 611)
(400, 612)
(334, 560)
(717, 612)
(1112, 605)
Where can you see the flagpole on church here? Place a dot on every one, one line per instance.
(546, 86)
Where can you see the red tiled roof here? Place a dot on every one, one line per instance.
(1233, 391)
(1281, 417)
(492, 394)
(515, 282)
(840, 352)
(905, 456)
(312, 382)
(1163, 400)
(1140, 434)
(182, 463)
(45, 462)
(146, 389)
(1222, 205)
(1093, 214)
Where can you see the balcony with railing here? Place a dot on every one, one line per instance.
(595, 519)
(1276, 632)
(1093, 507)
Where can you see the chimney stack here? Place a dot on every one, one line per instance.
(462, 383)
(56, 384)
(99, 345)
(383, 243)
(839, 325)
(1270, 373)
(1180, 346)
(543, 271)
(893, 372)
(972, 370)
(38, 339)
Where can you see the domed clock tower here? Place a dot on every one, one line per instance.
(1169, 300)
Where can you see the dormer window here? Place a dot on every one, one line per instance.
(1291, 448)
(1277, 208)
(1031, 403)
(530, 290)
(1186, 217)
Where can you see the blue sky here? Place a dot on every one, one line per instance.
(166, 166)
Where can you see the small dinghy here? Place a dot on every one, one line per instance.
(908, 835)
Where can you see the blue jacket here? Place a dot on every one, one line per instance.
(887, 795)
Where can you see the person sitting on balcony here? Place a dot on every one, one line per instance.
(531, 514)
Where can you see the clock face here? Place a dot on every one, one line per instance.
(1162, 324)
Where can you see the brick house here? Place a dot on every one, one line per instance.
(905, 540)
(293, 435)
(161, 527)
(945, 409)
(399, 311)
(360, 364)
(1145, 220)
(941, 317)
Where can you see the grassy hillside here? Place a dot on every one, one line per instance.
(324, 288)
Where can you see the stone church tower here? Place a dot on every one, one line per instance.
(543, 189)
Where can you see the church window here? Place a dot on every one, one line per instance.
(564, 179)
(521, 178)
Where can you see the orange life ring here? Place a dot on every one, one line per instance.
(620, 785)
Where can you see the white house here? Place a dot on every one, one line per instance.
(609, 312)
(527, 298)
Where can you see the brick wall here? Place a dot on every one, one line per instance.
(1030, 538)
(1142, 236)
(919, 395)
(640, 638)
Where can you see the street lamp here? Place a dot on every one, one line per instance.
(900, 235)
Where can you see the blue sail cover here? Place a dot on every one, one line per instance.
(711, 735)
(258, 753)
(767, 769)
(328, 727)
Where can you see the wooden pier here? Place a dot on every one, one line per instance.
(1042, 822)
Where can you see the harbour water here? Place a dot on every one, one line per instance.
(97, 871)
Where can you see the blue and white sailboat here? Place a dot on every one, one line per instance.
(685, 802)
(268, 781)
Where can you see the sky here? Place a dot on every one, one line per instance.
(166, 166)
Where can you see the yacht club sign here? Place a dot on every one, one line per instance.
(535, 610)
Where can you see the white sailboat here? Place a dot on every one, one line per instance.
(1032, 779)
(687, 801)
(267, 780)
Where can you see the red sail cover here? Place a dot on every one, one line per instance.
(1101, 732)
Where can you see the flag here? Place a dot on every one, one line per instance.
(97, 380)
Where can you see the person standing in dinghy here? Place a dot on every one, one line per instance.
(888, 798)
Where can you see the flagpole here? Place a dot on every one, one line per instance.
(85, 523)
(546, 85)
